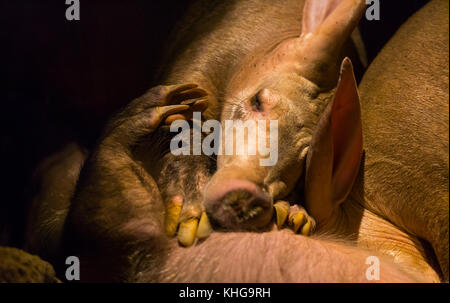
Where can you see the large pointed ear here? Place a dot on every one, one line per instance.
(335, 152)
(326, 25)
(315, 12)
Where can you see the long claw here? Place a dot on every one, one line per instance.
(297, 220)
(282, 211)
(296, 216)
(172, 90)
(308, 228)
(200, 106)
(195, 105)
(193, 93)
(187, 232)
(170, 119)
(204, 227)
(192, 101)
(173, 215)
(171, 109)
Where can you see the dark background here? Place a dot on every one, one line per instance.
(63, 79)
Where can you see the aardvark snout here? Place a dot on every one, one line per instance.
(238, 205)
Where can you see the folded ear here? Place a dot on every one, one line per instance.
(335, 152)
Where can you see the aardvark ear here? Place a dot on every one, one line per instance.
(315, 12)
(326, 25)
(335, 152)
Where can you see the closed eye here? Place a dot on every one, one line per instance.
(256, 103)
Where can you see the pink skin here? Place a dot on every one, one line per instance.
(236, 216)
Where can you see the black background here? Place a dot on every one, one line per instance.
(64, 79)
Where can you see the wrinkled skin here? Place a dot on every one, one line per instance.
(117, 206)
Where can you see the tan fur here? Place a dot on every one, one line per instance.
(404, 97)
